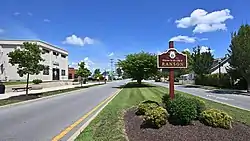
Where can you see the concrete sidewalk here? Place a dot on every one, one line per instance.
(10, 94)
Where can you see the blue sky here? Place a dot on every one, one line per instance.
(97, 30)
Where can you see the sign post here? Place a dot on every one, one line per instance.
(171, 59)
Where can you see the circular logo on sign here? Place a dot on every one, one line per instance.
(172, 54)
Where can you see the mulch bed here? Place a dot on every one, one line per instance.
(195, 132)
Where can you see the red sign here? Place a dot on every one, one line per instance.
(172, 59)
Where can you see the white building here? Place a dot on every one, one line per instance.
(220, 66)
(55, 58)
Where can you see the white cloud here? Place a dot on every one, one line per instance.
(73, 65)
(1, 31)
(16, 13)
(74, 40)
(30, 14)
(184, 39)
(88, 40)
(111, 54)
(204, 21)
(88, 62)
(205, 49)
(46, 20)
(187, 49)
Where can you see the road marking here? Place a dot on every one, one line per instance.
(219, 97)
(69, 128)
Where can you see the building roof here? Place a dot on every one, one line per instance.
(219, 62)
(35, 41)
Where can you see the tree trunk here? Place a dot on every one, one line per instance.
(139, 81)
(27, 85)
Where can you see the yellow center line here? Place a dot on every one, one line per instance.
(69, 128)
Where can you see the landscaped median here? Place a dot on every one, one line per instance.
(21, 98)
(145, 112)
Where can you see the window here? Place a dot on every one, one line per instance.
(55, 53)
(63, 72)
(63, 56)
(1, 69)
(46, 70)
(45, 51)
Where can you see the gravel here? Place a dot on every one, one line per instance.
(195, 132)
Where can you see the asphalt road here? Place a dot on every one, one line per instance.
(238, 100)
(43, 119)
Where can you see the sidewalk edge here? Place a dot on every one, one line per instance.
(46, 97)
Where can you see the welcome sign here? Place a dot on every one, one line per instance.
(172, 59)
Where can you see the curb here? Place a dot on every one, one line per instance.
(78, 132)
(46, 97)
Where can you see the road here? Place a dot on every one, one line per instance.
(238, 100)
(43, 119)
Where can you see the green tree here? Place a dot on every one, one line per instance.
(201, 61)
(83, 71)
(97, 74)
(119, 71)
(139, 65)
(239, 53)
(27, 58)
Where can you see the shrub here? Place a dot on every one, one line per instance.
(37, 81)
(166, 99)
(216, 118)
(145, 106)
(182, 110)
(214, 80)
(156, 117)
(200, 105)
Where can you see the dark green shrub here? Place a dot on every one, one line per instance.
(200, 105)
(145, 106)
(182, 110)
(37, 81)
(156, 117)
(166, 99)
(222, 81)
(216, 118)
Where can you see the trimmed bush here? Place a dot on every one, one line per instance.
(200, 105)
(37, 81)
(156, 117)
(214, 80)
(182, 110)
(166, 99)
(216, 118)
(145, 106)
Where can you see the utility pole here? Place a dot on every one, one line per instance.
(111, 65)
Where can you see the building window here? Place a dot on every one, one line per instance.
(1, 69)
(63, 72)
(55, 53)
(45, 51)
(46, 70)
(63, 56)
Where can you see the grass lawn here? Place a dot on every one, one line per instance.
(109, 125)
(21, 98)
